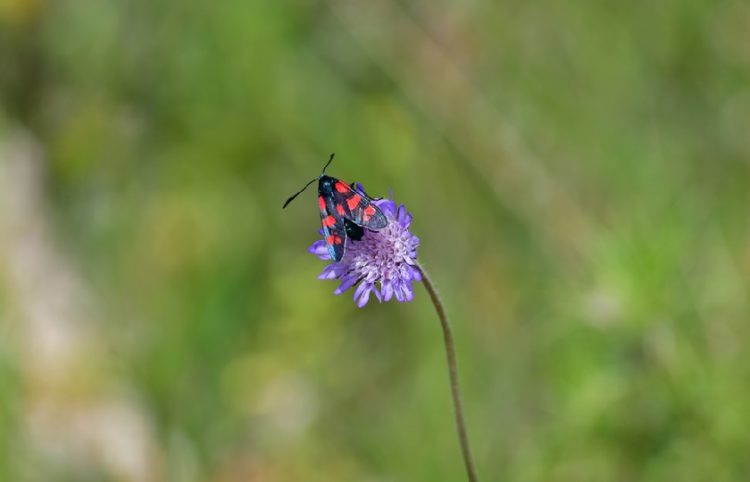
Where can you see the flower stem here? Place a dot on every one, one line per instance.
(450, 352)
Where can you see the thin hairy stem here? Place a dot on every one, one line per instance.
(450, 353)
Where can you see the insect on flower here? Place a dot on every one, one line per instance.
(383, 263)
(344, 212)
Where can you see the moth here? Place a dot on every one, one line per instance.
(345, 212)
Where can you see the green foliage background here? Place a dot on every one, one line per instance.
(578, 174)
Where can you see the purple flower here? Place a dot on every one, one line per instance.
(382, 262)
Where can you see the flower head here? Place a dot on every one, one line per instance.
(382, 262)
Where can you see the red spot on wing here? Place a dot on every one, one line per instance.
(353, 201)
(329, 221)
(337, 240)
(322, 203)
(340, 209)
(369, 212)
(341, 187)
(330, 239)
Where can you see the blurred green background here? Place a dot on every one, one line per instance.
(579, 177)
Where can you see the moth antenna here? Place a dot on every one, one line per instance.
(330, 159)
(298, 193)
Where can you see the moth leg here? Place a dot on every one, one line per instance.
(353, 230)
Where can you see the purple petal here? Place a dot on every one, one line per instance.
(386, 286)
(408, 291)
(329, 272)
(319, 249)
(360, 188)
(361, 288)
(398, 290)
(387, 206)
(405, 273)
(362, 294)
(346, 283)
(377, 293)
(364, 299)
(415, 273)
(404, 217)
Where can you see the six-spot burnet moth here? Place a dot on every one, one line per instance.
(345, 212)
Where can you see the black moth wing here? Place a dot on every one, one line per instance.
(334, 227)
(344, 213)
(358, 207)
